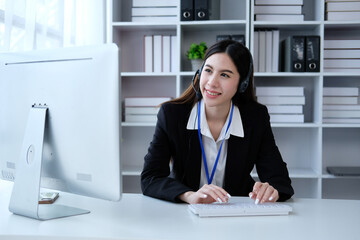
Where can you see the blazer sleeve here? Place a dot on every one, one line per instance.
(155, 179)
(270, 166)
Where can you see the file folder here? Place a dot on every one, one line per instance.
(294, 51)
(206, 9)
(187, 10)
(312, 56)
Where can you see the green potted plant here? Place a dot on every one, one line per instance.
(196, 54)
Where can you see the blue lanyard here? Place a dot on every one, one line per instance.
(209, 179)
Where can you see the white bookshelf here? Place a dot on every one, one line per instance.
(308, 148)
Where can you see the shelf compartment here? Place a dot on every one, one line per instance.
(341, 188)
(311, 83)
(340, 147)
(301, 158)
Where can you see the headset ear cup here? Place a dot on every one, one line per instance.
(245, 83)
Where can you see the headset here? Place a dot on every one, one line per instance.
(242, 86)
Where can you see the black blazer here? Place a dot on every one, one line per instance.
(173, 141)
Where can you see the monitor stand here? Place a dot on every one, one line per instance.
(25, 195)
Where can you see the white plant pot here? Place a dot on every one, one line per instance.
(196, 64)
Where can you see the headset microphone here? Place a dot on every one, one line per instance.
(198, 73)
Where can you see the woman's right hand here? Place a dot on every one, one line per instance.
(206, 194)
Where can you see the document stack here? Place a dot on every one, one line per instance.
(143, 109)
(160, 53)
(301, 54)
(342, 55)
(278, 10)
(341, 105)
(266, 50)
(342, 10)
(154, 11)
(285, 104)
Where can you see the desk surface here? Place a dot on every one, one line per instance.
(140, 217)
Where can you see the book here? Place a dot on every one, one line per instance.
(281, 100)
(342, 63)
(342, 53)
(256, 51)
(262, 51)
(166, 54)
(268, 51)
(341, 120)
(342, 6)
(340, 91)
(148, 53)
(158, 42)
(154, 11)
(154, 19)
(340, 100)
(279, 17)
(277, 9)
(174, 56)
(341, 44)
(141, 110)
(145, 101)
(341, 114)
(279, 91)
(285, 109)
(287, 118)
(140, 118)
(341, 107)
(279, 2)
(155, 3)
(343, 16)
(275, 50)
(343, 70)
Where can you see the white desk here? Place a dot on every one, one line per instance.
(140, 217)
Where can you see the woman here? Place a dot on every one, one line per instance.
(213, 135)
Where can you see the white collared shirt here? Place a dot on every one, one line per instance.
(211, 147)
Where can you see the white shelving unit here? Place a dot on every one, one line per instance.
(308, 148)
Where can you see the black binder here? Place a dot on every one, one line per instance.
(187, 10)
(294, 51)
(206, 9)
(312, 54)
(239, 38)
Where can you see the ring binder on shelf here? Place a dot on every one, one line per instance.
(294, 50)
(187, 10)
(312, 56)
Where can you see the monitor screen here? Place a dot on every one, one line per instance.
(76, 91)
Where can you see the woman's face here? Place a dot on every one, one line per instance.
(219, 80)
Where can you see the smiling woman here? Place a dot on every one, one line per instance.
(215, 133)
(43, 24)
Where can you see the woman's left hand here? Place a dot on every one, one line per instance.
(264, 192)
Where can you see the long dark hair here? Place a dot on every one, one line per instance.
(240, 56)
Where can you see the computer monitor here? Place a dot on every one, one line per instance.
(60, 126)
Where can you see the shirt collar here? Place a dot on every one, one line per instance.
(236, 127)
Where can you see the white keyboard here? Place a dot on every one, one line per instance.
(239, 209)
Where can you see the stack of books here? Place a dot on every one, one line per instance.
(342, 10)
(142, 109)
(342, 55)
(266, 50)
(341, 105)
(285, 104)
(278, 10)
(154, 11)
(160, 53)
